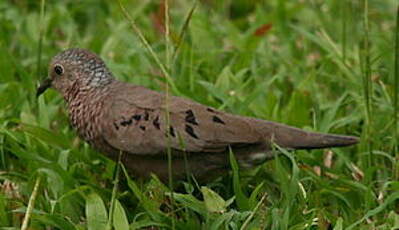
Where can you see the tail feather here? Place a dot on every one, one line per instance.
(319, 140)
(294, 138)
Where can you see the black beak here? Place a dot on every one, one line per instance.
(43, 87)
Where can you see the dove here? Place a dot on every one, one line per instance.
(118, 117)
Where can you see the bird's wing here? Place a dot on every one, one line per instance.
(140, 121)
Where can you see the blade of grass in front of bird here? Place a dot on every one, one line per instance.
(367, 84)
(149, 205)
(149, 48)
(41, 34)
(114, 191)
(119, 218)
(247, 221)
(183, 30)
(31, 204)
(396, 96)
(167, 114)
(241, 198)
(344, 20)
(96, 213)
(289, 183)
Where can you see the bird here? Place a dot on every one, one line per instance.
(143, 125)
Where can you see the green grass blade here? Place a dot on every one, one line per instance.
(96, 212)
(396, 95)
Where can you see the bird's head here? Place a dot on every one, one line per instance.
(75, 68)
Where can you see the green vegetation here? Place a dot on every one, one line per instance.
(329, 66)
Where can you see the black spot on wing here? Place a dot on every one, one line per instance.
(126, 122)
(146, 116)
(190, 117)
(217, 120)
(210, 110)
(142, 127)
(136, 117)
(191, 132)
(116, 126)
(156, 124)
(172, 131)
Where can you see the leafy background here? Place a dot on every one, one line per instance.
(327, 66)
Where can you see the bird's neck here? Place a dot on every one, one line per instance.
(81, 91)
(85, 108)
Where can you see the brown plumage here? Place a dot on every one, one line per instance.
(114, 116)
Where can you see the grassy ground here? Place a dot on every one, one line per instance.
(320, 65)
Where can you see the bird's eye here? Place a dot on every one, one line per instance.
(58, 69)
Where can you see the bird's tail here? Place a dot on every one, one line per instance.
(294, 138)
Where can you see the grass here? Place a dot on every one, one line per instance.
(329, 66)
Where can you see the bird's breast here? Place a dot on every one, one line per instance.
(85, 116)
